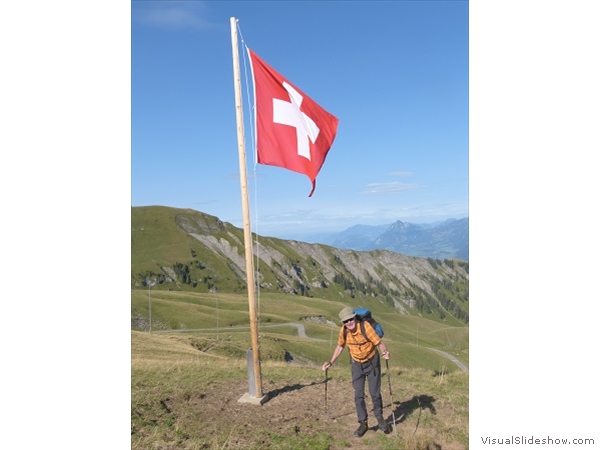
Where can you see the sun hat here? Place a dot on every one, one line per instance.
(346, 314)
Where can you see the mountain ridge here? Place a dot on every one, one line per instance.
(184, 249)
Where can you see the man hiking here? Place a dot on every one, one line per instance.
(365, 365)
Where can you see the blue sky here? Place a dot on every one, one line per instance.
(395, 74)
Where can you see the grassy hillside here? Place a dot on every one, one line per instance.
(156, 243)
(186, 250)
(190, 334)
(185, 389)
(226, 316)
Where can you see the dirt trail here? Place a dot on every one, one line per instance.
(453, 359)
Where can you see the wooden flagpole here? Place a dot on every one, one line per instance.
(246, 210)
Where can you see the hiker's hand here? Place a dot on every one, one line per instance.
(386, 354)
(326, 365)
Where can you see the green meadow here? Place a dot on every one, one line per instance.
(189, 370)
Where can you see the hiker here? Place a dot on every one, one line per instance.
(365, 365)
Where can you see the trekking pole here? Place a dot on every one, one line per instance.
(387, 367)
(326, 390)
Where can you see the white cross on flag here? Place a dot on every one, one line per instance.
(292, 131)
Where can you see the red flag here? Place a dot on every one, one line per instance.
(292, 131)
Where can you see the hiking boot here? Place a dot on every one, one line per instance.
(383, 425)
(362, 429)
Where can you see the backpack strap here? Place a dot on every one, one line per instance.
(362, 329)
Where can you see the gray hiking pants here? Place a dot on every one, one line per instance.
(371, 370)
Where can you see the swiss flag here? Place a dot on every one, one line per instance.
(292, 131)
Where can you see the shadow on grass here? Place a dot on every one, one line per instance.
(294, 387)
(417, 403)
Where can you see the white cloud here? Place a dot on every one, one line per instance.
(171, 14)
(388, 188)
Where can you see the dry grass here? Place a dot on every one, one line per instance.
(185, 398)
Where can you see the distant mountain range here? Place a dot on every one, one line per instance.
(448, 239)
